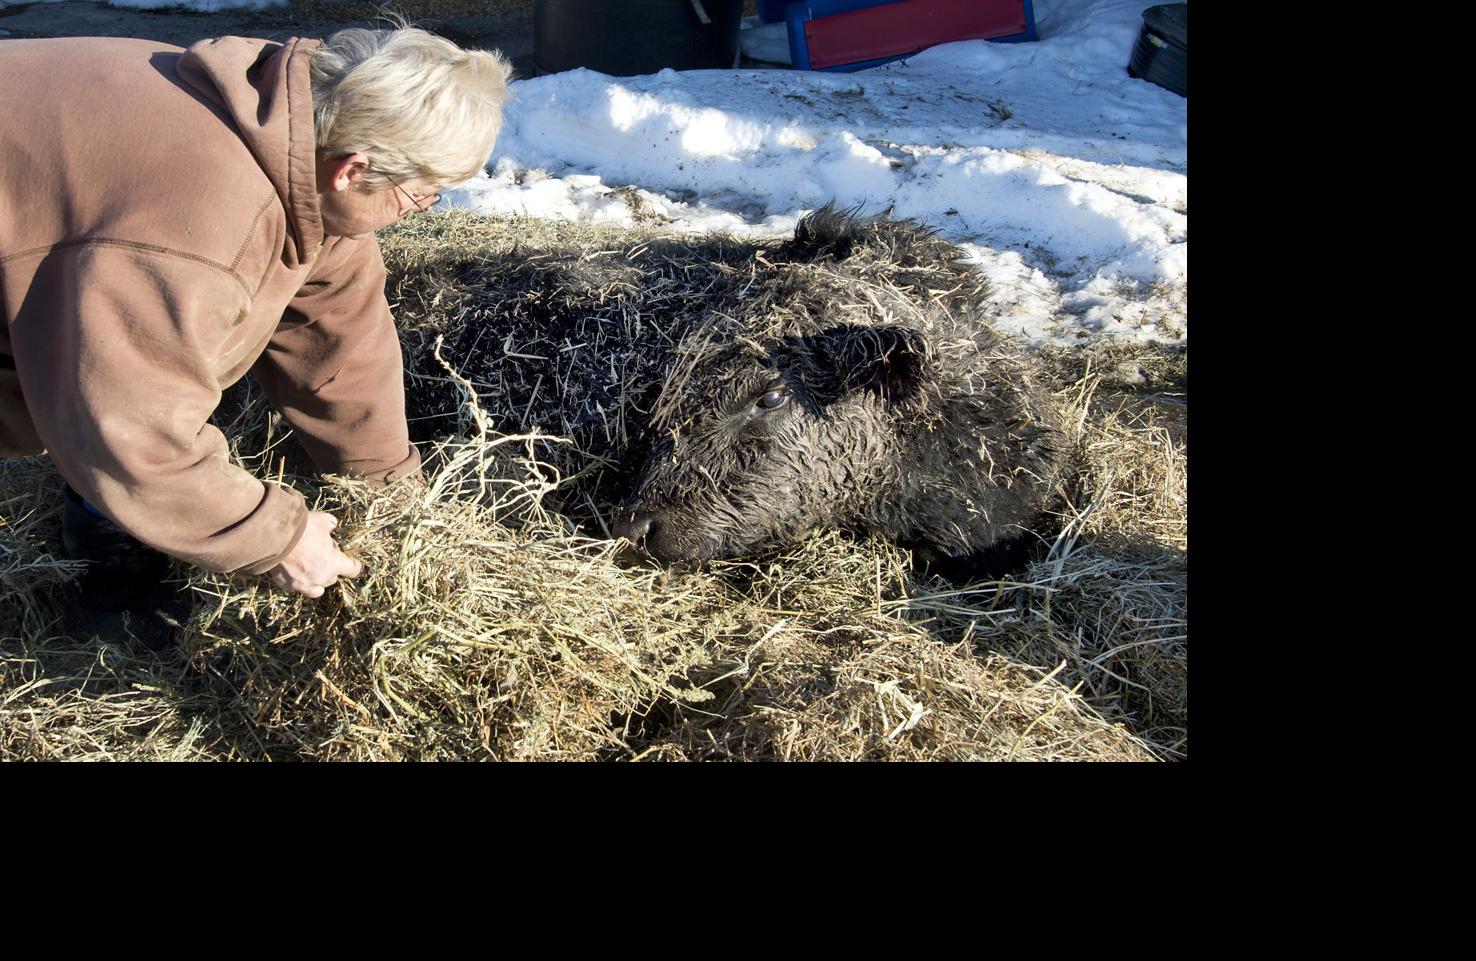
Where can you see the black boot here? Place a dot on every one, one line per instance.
(122, 591)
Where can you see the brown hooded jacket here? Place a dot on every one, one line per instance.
(159, 236)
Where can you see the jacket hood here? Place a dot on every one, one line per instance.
(265, 88)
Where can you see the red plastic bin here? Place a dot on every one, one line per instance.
(855, 34)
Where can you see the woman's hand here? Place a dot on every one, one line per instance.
(316, 563)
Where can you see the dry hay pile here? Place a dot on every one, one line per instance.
(568, 335)
(60, 696)
(472, 638)
(469, 639)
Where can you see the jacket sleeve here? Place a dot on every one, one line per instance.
(119, 358)
(335, 370)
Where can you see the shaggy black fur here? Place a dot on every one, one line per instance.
(857, 388)
(846, 378)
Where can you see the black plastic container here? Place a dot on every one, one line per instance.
(1161, 54)
(629, 37)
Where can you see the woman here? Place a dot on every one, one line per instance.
(169, 220)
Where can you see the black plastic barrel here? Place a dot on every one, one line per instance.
(629, 37)
(1161, 54)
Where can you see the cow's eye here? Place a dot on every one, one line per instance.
(773, 400)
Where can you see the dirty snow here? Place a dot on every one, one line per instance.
(1064, 178)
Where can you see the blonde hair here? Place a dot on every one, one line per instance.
(418, 106)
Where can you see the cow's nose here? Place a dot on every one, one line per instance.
(636, 528)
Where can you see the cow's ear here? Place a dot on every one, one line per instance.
(889, 360)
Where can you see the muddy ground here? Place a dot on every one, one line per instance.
(505, 25)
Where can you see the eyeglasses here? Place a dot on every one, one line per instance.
(433, 198)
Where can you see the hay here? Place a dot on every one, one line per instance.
(844, 675)
(66, 697)
(488, 626)
(468, 639)
(463, 638)
(32, 571)
(561, 329)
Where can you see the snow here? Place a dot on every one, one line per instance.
(1064, 179)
